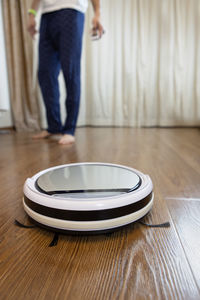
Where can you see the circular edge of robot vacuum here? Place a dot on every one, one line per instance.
(87, 215)
(87, 226)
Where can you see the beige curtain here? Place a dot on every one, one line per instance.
(144, 72)
(146, 69)
(19, 60)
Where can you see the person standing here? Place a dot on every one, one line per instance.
(60, 47)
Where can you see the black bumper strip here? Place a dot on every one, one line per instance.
(93, 215)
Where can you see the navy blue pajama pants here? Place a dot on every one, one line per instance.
(60, 47)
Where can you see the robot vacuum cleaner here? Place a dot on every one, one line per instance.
(87, 197)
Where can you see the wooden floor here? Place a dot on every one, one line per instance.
(132, 263)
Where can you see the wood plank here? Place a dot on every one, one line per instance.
(186, 143)
(184, 201)
(134, 263)
(185, 216)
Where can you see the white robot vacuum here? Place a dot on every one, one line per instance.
(87, 197)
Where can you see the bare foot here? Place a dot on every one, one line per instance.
(42, 135)
(66, 139)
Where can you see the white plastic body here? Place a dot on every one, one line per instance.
(90, 204)
(32, 193)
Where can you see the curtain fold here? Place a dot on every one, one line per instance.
(23, 100)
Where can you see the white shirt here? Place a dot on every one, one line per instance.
(52, 5)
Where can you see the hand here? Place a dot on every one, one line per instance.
(97, 28)
(32, 26)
